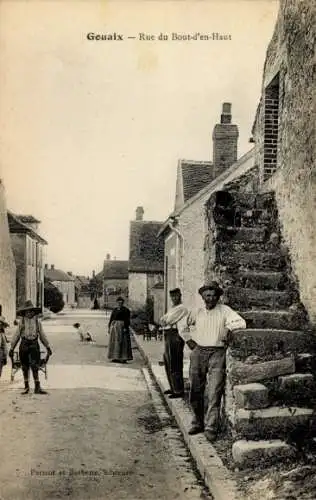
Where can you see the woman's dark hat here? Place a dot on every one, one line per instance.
(76, 325)
(213, 285)
(28, 306)
(119, 299)
(175, 291)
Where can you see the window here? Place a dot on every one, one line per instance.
(271, 128)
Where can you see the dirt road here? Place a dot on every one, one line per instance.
(94, 436)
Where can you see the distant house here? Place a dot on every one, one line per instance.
(115, 280)
(7, 264)
(28, 251)
(82, 291)
(65, 283)
(146, 259)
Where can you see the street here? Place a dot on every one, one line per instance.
(95, 435)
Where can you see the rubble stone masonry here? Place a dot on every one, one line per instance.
(284, 133)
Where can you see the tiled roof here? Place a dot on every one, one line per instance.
(195, 175)
(17, 226)
(57, 275)
(115, 269)
(146, 250)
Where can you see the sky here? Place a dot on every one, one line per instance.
(91, 129)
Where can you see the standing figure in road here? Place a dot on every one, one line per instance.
(174, 344)
(208, 342)
(3, 343)
(28, 332)
(120, 346)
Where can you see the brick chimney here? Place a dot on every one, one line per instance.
(46, 266)
(108, 256)
(139, 213)
(52, 267)
(225, 139)
(93, 274)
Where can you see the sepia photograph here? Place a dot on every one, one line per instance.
(158, 249)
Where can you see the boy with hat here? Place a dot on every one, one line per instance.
(174, 344)
(29, 331)
(208, 342)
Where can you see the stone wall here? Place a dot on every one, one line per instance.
(137, 290)
(171, 263)
(290, 62)
(158, 298)
(7, 264)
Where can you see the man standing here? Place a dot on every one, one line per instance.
(208, 342)
(174, 344)
(29, 331)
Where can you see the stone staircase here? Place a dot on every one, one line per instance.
(270, 390)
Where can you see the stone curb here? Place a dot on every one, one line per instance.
(216, 476)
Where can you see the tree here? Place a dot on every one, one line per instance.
(53, 298)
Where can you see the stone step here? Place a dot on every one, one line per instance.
(261, 342)
(274, 261)
(252, 453)
(243, 298)
(297, 389)
(305, 362)
(233, 247)
(296, 382)
(273, 422)
(246, 234)
(251, 396)
(255, 217)
(262, 201)
(267, 318)
(261, 280)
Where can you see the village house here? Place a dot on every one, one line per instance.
(146, 260)
(65, 282)
(185, 229)
(28, 250)
(7, 264)
(115, 281)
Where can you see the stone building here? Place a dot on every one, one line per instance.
(146, 259)
(284, 134)
(28, 250)
(7, 264)
(65, 282)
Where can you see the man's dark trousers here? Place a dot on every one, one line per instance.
(173, 359)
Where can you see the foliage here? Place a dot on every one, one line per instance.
(53, 298)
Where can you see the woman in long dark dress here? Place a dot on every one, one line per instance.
(120, 347)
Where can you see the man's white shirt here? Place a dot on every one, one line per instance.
(209, 327)
(175, 318)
